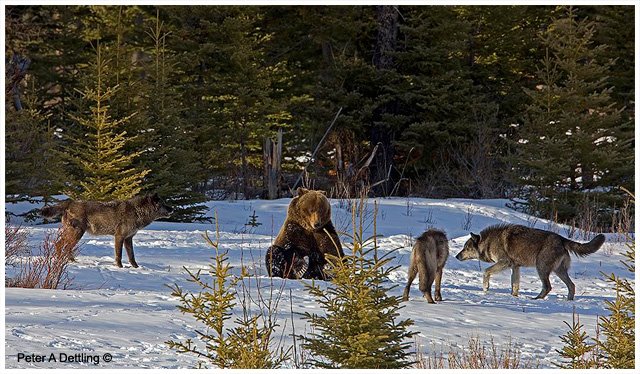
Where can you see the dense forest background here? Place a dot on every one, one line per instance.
(531, 103)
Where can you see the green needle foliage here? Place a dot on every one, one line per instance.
(245, 345)
(616, 348)
(572, 139)
(107, 171)
(360, 328)
(577, 349)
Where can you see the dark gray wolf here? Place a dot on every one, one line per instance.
(120, 218)
(428, 257)
(512, 246)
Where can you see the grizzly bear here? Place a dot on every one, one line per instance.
(305, 238)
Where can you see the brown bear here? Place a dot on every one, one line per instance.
(306, 236)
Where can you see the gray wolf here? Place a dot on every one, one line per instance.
(513, 246)
(428, 257)
(120, 218)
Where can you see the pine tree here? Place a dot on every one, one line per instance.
(360, 327)
(106, 170)
(235, 94)
(173, 160)
(31, 165)
(573, 139)
(248, 343)
(33, 132)
(577, 348)
(617, 349)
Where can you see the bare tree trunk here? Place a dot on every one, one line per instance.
(387, 20)
(272, 165)
(245, 167)
(381, 133)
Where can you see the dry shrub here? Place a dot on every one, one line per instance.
(622, 221)
(15, 244)
(476, 355)
(48, 268)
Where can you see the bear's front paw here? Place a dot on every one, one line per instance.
(300, 266)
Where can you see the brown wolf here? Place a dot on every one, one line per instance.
(428, 257)
(120, 218)
(512, 246)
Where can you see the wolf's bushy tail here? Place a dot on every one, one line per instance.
(584, 249)
(53, 211)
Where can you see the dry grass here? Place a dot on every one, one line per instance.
(476, 355)
(623, 221)
(48, 268)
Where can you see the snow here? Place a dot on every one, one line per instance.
(130, 313)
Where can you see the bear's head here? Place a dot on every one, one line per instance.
(311, 209)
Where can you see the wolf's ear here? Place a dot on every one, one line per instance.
(475, 238)
(302, 191)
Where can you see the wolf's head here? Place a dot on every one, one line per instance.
(471, 249)
(158, 207)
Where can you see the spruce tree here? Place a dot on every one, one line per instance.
(235, 95)
(360, 327)
(174, 159)
(248, 341)
(99, 153)
(573, 139)
(614, 346)
(577, 349)
(618, 329)
(31, 164)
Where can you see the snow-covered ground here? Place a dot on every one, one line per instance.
(129, 313)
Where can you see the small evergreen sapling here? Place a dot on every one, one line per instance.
(246, 345)
(253, 220)
(360, 327)
(577, 349)
(617, 349)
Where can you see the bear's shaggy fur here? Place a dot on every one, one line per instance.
(305, 238)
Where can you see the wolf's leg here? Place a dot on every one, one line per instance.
(495, 268)
(412, 275)
(515, 280)
(119, 241)
(128, 245)
(544, 272)
(548, 260)
(438, 281)
(425, 282)
(563, 273)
